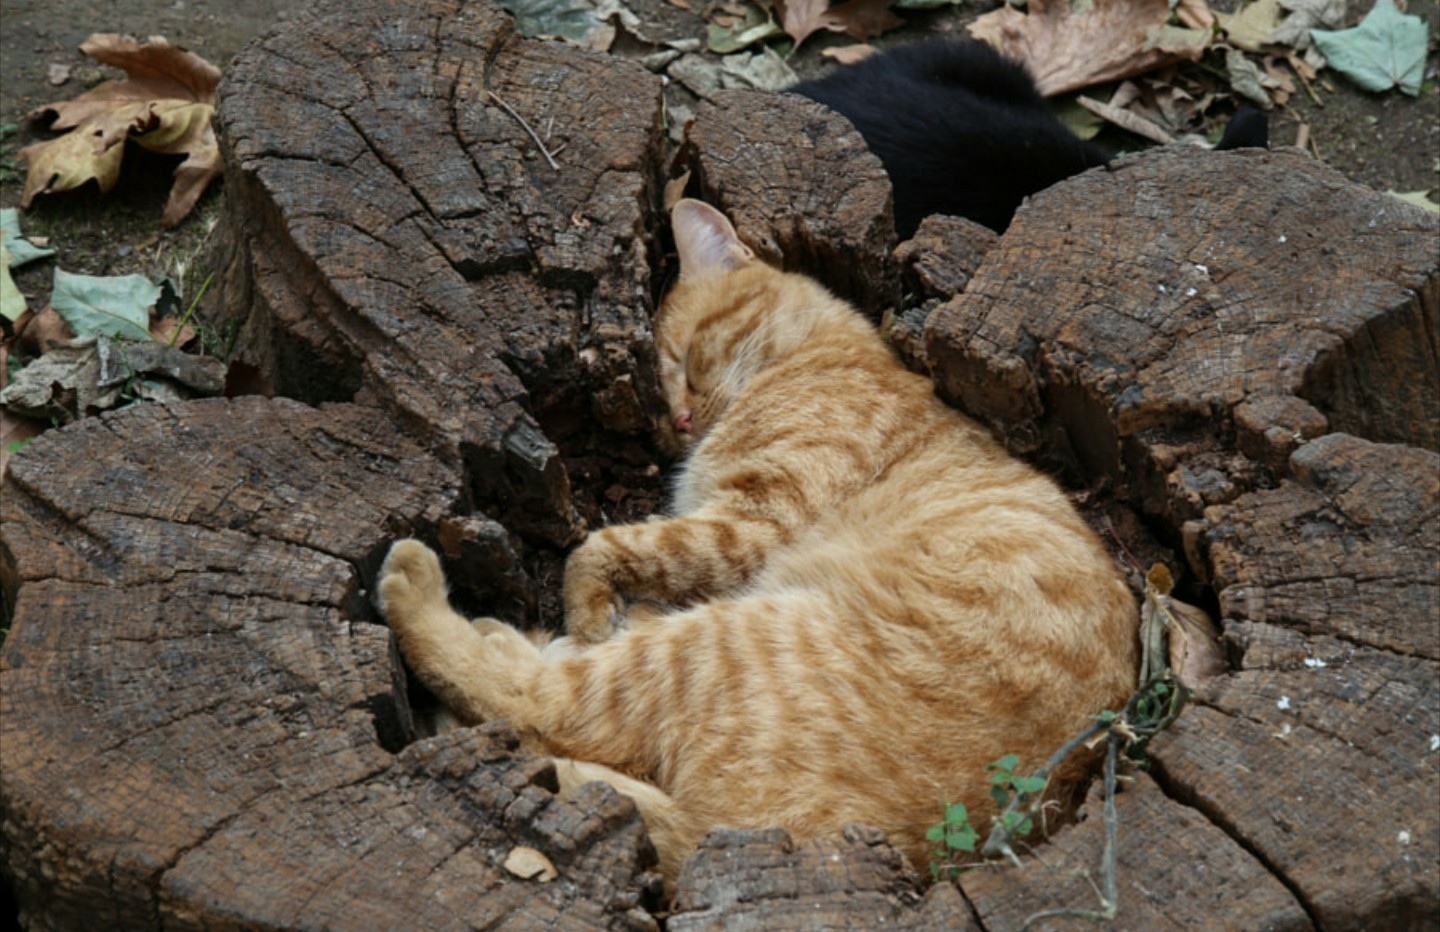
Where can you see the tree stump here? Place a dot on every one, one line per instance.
(205, 725)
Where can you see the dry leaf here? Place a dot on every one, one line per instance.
(864, 19)
(675, 189)
(800, 18)
(167, 330)
(15, 430)
(849, 54)
(1193, 650)
(529, 864)
(42, 332)
(165, 105)
(1250, 27)
(859, 18)
(1066, 50)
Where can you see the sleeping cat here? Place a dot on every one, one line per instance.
(962, 130)
(858, 601)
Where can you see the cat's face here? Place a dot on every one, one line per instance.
(704, 322)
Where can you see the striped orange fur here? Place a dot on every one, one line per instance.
(859, 600)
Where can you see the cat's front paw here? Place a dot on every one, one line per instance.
(592, 606)
(410, 579)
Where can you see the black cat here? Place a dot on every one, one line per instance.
(961, 129)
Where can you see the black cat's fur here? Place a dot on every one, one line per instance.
(961, 129)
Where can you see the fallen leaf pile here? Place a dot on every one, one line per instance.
(1265, 52)
(164, 105)
(101, 343)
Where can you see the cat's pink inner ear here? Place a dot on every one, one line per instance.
(705, 239)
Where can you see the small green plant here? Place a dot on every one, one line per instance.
(1005, 786)
(953, 836)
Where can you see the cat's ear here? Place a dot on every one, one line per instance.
(705, 239)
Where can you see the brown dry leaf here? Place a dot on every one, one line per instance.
(1112, 39)
(164, 104)
(164, 331)
(1195, 652)
(864, 19)
(675, 189)
(42, 332)
(859, 18)
(16, 430)
(800, 18)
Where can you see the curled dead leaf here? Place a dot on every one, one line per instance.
(1195, 651)
(1189, 637)
(164, 104)
(861, 19)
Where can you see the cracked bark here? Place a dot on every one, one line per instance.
(203, 724)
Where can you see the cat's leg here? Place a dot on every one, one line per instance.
(677, 561)
(673, 834)
(480, 670)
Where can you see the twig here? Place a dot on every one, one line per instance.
(1109, 897)
(1127, 120)
(190, 311)
(998, 841)
(525, 126)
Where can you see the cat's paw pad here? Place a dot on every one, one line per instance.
(410, 577)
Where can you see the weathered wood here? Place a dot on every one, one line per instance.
(203, 726)
(1329, 588)
(749, 880)
(936, 264)
(1174, 870)
(1347, 548)
(395, 234)
(801, 188)
(1128, 312)
(202, 723)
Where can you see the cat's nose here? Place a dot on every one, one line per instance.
(682, 421)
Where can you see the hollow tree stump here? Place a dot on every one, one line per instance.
(203, 723)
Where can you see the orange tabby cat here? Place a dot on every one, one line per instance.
(860, 601)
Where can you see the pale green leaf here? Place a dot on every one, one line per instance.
(1418, 198)
(565, 19)
(1386, 50)
(1250, 27)
(94, 305)
(19, 249)
(757, 26)
(1076, 118)
(12, 302)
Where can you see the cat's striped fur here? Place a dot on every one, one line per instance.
(859, 601)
